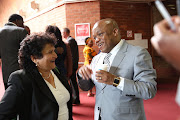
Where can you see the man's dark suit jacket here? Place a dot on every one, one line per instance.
(10, 38)
(29, 96)
(75, 52)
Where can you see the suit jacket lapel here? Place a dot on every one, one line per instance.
(43, 86)
(119, 57)
(63, 80)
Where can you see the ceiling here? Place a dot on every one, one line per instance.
(136, 1)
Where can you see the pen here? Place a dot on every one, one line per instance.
(178, 7)
(165, 14)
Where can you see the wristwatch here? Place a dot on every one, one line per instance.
(116, 81)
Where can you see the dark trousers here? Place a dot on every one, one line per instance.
(75, 89)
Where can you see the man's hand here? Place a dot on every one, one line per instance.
(85, 72)
(105, 77)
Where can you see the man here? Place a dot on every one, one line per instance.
(10, 37)
(130, 78)
(167, 44)
(75, 58)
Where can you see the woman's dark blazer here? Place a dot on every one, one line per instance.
(29, 96)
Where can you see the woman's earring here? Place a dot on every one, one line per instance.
(36, 64)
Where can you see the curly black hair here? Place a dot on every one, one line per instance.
(33, 45)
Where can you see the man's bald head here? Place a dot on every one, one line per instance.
(106, 34)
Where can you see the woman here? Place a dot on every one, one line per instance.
(64, 59)
(89, 53)
(37, 91)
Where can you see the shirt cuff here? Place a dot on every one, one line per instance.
(121, 84)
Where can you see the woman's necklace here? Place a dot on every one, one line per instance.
(47, 76)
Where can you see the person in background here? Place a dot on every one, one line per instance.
(64, 59)
(167, 43)
(27, 29)
(89, 53)
(10, 37)
(128, 79)
(75, 58)
(38, 91)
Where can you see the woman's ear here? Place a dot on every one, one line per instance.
(34, 59)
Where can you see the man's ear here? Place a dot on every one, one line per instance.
(115, 31)
(15, 22)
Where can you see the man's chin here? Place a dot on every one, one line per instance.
(104, 51)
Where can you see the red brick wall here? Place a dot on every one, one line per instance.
(85, 12)
(129, 16)
(137, 17)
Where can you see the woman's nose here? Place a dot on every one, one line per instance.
(55, 55)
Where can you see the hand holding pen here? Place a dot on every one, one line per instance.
(178, 7)
(165, 14)
(166, 42)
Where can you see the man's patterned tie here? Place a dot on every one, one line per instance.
(106, 59)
